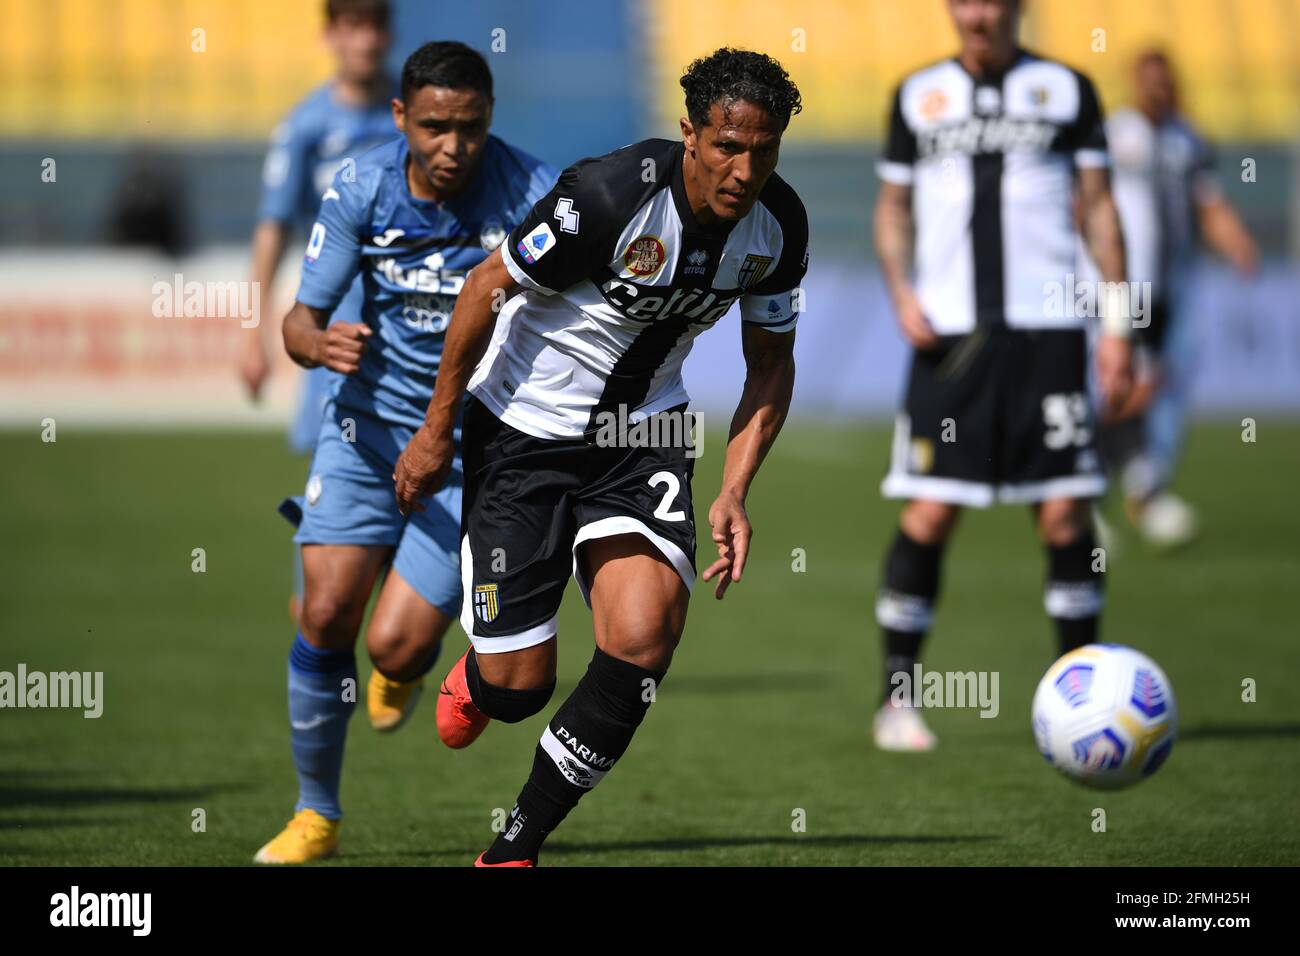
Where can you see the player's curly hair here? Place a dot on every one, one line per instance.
(727, 75)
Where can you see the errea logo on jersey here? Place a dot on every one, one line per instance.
(536, 244)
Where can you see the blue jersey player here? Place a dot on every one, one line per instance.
(412, 218)
(338, 121)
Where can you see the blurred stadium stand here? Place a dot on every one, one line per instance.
(101, 86)
(85, 80)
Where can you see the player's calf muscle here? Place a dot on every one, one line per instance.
(404, 630)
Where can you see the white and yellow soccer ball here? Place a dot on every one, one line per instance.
(1105, 715)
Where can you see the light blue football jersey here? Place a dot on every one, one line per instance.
(308, 148)
(412, 256)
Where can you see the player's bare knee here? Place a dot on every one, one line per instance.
(509, 694)
(330, 619)
(1060, 523)
(396, 653)
(647, 640)
(649, 656)
(643, 633)
(929, 522)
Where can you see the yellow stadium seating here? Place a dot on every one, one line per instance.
(1238, 60)
(130, 68)
(155, 68)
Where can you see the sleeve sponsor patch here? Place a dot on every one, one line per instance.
(536, 244)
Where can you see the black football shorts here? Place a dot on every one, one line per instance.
(998, 414)
(529, 502)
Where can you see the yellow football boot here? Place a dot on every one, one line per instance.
(389, 702)
(309, 836)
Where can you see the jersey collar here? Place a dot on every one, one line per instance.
(995, 77)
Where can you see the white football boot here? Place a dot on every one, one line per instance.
(901, 729)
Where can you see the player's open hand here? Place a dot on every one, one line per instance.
(911, 319)
(1114, 371)
(731, 533)
(254, 366)
(422, 467)
(341, 346)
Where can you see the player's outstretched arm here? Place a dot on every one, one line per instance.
(1105, 241)
(427, 458)
(764, 403)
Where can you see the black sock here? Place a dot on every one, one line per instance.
(905, 606)
(584, 739)
(505, 704)
(1073, 596)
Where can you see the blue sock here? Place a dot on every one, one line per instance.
(320, 704)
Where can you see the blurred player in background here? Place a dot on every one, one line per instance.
(984, 151)
(416, 216)
(618, 269)
(1167, 196)
(337, 121)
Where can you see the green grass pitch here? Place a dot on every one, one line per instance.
(764, 714)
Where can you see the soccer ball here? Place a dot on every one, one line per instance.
(1104, 715)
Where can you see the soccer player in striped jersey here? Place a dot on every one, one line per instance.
(1169, 199)
(608, 281)
(975, 232)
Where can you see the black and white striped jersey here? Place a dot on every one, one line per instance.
(1163, 173)
(991, 161)
(618, 279)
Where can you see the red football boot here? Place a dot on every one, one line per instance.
(459, 721)
(479, 862)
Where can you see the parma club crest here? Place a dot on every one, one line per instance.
(486, 605)
(752, 270)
